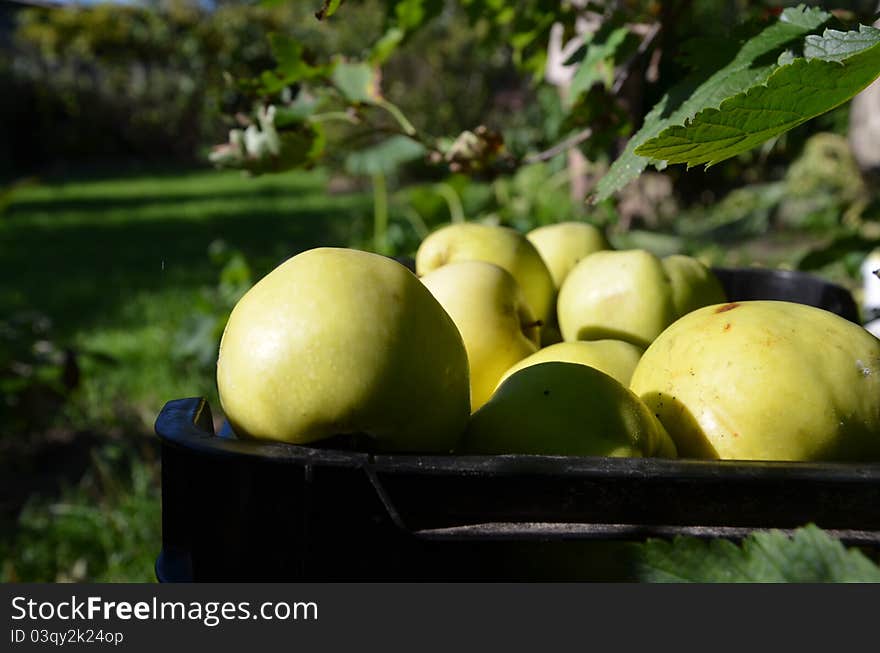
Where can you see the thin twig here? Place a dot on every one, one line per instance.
(559, 148)
(623, 75)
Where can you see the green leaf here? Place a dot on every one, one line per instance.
(837, 46)
(792, 95)
(297, 111)
(299, 148)
(385, 157)
(405, 17)
(752, 65)
(328, 8)
(809, 556)
(411, 14)
(386, 45)
(597, 57)
(358, 82)
(290, 67)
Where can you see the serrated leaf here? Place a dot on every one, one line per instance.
(752, 65)
(597, 54)
(810, 555)
(791, 95)
(358, 82)
(385, 157)
(837, 46)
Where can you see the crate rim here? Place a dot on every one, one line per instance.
(187, 424)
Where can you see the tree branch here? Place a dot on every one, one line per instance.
(559, 148)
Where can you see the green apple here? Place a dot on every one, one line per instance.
(565, 409)
(765, 380)
(563, 244)
(505, 247)
(616, 358)
(631, 295)
(339, 341)
(693, 284)
(619, 295)
(491, 312)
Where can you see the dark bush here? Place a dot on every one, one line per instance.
(107, 82)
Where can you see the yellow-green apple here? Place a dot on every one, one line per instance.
(616, 358)
(563, 244)
(629, 295)
(619, 295)
(491, 312)
(338, 341)
(505, 247)
(565, 409)
(693, 284)
(765, 380)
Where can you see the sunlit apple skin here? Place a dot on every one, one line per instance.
(491, 312)
(765, 380)
(618, 295)
(693, 284)
(505, 247)
(565, 409)
(632, 295)
(616, 358)
(338, 341)
(564, 244)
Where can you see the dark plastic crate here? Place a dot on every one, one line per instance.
(236, 510)
(743, 284)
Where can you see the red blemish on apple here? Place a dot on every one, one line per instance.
(727, 307)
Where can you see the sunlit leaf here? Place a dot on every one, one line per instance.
(597, 55)
(809, 556)
(328, 8)
(793, 94)
(358, 82)
(385, 157)
(753, 64)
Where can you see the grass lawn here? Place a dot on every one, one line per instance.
(118, 265)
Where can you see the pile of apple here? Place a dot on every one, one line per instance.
(547, 343)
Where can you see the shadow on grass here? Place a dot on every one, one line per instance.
(80, 270)
(102, 523)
